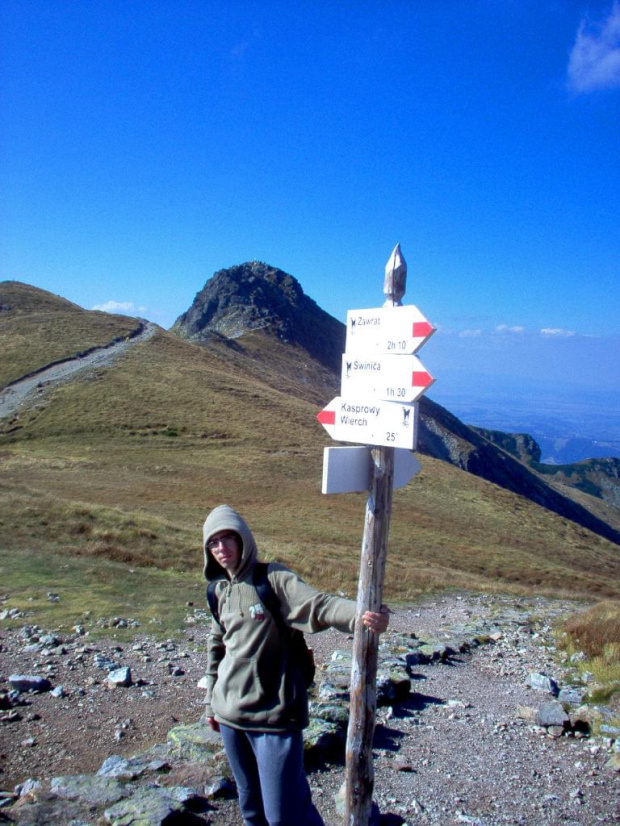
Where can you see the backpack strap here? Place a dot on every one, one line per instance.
(213, 603)
(267, 595)
(300, 655)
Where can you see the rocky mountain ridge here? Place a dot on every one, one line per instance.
(256, 296)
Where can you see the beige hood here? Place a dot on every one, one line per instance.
(224, 518)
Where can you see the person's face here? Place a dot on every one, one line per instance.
(226, 549)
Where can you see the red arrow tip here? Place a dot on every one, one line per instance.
(422, 329)
(421, 379)
(326, 416)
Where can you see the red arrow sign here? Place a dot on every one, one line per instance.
(326, 416)
(373, 422)
(422, 329)
(394, 378)
(420, 378)
(393, 330)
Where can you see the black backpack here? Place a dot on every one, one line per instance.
(299, 652)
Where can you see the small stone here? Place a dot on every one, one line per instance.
(541, 682)
(552, 714)
(28, 786)
(146, 805)
(220, 787)
(571, 695)
(527, 713)
(26, 683)
(614, 762)
(116, 766)
(9, 613)
(120, 678)
(101, 661)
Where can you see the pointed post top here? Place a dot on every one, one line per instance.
(395, 278)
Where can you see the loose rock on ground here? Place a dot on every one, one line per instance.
(477, 723)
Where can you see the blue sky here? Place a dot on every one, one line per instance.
(147, 144)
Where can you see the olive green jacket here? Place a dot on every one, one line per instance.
(251, 683)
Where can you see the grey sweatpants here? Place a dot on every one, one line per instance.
(270, 777)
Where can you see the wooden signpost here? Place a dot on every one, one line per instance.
(381, 379)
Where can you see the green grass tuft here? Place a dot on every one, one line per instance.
(596, 633)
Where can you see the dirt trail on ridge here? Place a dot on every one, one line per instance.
(31, 388)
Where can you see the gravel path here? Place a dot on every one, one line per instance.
(455, 752)
(33, 387)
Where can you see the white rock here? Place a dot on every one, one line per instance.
(120, 677)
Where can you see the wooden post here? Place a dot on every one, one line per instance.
(359, 772)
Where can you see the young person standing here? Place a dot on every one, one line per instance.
(256, 698)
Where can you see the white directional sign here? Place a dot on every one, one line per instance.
(348, 469)
(387, 330)
(372, 422)
(393, 378)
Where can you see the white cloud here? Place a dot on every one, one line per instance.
(556, 332)
(122, 307)
(594, 61)
(470, 333)
(505, 328)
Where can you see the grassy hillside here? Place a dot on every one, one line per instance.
(115, 473)
(37, 328)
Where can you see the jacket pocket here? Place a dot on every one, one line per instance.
(238, 688)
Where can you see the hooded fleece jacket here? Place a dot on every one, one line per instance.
(251, 684)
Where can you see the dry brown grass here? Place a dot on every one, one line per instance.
(448, 529)
(596, 630)
(125, 464)
(37, 328)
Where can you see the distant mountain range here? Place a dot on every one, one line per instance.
(567, 429)
(568, 450)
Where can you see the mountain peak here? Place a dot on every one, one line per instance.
(257, 296)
